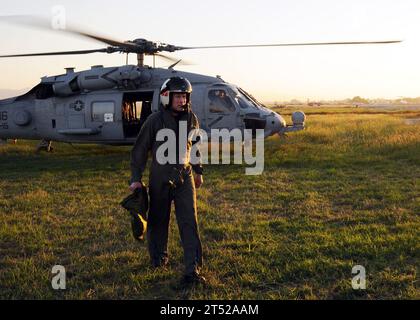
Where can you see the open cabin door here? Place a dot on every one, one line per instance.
(135, 109)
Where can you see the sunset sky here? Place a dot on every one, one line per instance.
(270, 74)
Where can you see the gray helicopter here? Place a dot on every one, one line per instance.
(109, 105)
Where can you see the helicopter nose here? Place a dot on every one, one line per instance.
(274, 124)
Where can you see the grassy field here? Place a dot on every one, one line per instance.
(344, 192)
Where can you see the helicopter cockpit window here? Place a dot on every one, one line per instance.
(103, 111)
(220, 102)
(242, 102)
(247, 98)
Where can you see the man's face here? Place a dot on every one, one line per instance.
(178, 101)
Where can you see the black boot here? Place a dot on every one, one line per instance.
(193, 279)
(162, 262)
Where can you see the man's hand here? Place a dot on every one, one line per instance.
(135, 185)
(198, 180)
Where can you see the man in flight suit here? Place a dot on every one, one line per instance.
(171, 182)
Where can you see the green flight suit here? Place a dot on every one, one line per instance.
(167, 183)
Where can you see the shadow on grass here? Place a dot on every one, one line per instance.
(20, 164)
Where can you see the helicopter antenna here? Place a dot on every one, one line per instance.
(174, 64)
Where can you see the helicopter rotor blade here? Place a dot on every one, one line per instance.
(143, 46)
(106, 50)
(44, 23)
(173, 60)
(165, 57)
(292, 44)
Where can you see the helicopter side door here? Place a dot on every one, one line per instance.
(70, 116)
(221, 110)
(76, 113)
(105, 115)
(198, 102)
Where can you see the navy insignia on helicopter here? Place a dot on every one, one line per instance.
(78, 105)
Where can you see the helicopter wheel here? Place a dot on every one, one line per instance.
(44, 145)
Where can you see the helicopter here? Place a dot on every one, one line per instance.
(109, 105)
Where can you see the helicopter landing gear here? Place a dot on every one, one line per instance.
(45, 145)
